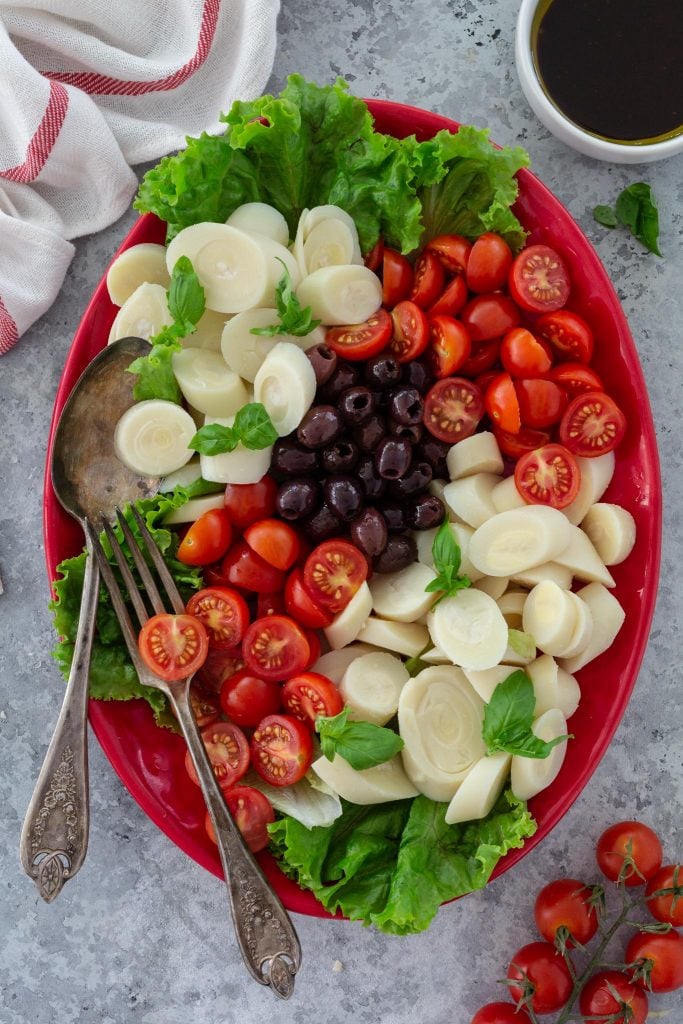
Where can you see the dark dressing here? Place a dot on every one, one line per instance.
(613, 67)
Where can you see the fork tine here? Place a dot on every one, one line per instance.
(148, 580)
(129, 633)
(161, 567)
(134, 593)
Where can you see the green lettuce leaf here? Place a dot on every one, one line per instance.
(393, 864)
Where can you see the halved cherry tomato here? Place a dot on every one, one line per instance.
(629, 849)
(489, 263)
(576, 378)
(451, 300)
(223, 613)
(592, 424)
(246, 503)
(281, 750)
(310, 695)
(313, 638)
(542, 965)
(246, 698)
(484, 379)
(276, 542)
(218, 666)
(548, 476)
(429, 280)
(373, 260)
(397, 277)
(453, 408)
(301, 606)
(608, 992)
(452, 250)
(523, 355)
(275, 648)
(252, 812)
(244, 568)
(566, 904)
(502, 405)
(541, 402)
(483, 356)
(361, 341)
(538, 280)
(333, 572)
(205, 707)
(207, 539)
(489, 316)
(173, 646)
(270, 604)
(449, 346)
(569, 335)
(516, 445)
(228, 751)
(663, 954)
(668, 907)
(411, 332)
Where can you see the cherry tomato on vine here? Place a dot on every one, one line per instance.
(252, 812)
(597, 999)
(361, 341)
(546, 970)
(242, 567)
(575, 378)
(548, 476)
(228, 751)
(333, 572)
(488, 263)
(451, 300)
(411, 332)
(276, 542)
(452, 250)
(538, 280)
(275, 648)
(564, 904)
(310, 695)
(500, 1013)
(490, 316)
(569, 335)
(592, 424)
(541, 402)
(449, 346)
(173, 646)
(281, 750)
(397, 277)
(664, 954)
(207, 539)
(502, 404)
(629, 848)
(524, 355)
(667, 908)
(453, 409)
(246, 698)
(223, 613)
(246, 503)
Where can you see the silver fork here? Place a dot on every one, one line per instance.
(265, 934)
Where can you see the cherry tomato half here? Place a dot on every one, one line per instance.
(538, 280)
(452, 250)
(449, 346)
(373, 260)
(270, 604)
(310, 695)
(524, 355)
(207, 539)
(397, 278)
(629, 849)
(246, 503)
(429, 280)
(564, 904)
(173, 646)
(361, 341)
(246, 698)
(301, 606)
(218, 666)
(242, 567)
(204, 705)
(275, 648)
(569, 335)
(483, 356)
(548, 973)
(223, 613)
(667, 908)
(453, 408)
(592, 425)
(281, 750)
(252, 812)
(548, 476)
(228, 751)
(411, 332)
(333, 573)
(597, 998)
(516, 445)
(276, 542)
(489, 316)
(665, 956)
(541, 402)
(576, 378)
(489, 263)
(502, 404)
(501, 1013)
(451, 300)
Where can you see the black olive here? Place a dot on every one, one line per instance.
(340, 457)
(382, 371)
(395, 516)
(392, 457)
(297, 498)
(417, 375)
(373, 485)
(291, 459)
(344, 495)
(320, 426)
(411, 431)
(345, 376)
(425, 512)
(406, 406)
(321, 524)
(400, 552)
(369, 532)
(324, 363)
(416, 479)
(369, 434)
(356, 404)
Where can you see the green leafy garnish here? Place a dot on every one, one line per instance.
(156, 378)
(362, 744)
(293, 319)
(447, 556)
(415, 665)
(636, 209)
(508, 717)
(521, 643)
(252, 427)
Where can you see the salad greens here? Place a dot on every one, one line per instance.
(508, 717)
(293, 319)
(362, 744)
(252, 427)
(393, 864)
(313, 145)
(447, 557)
(636, 210)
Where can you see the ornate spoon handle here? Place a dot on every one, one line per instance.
(54, 837)
(267, 939)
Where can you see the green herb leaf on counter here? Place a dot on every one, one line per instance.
(393, 864)
(362, 744)
(293, 319)
(252, 427)
(447, 557)
(508, 717)
(606, 216)
(636, 209)
(522, 643)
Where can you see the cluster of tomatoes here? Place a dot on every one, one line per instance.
(250, 635)
(494, 333)
(568, 915)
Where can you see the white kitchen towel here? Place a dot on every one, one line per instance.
(89, 88)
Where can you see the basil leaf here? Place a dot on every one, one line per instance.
(606, 216)
(214, 439)
(636, 209)
(185, 295)
(293, 319)
(508, 718)
(522, 643)
(362, 744)
(254, 427)
(446, 550)
(155, 374)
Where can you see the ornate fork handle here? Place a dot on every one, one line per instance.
(266, 937)
(54, 836)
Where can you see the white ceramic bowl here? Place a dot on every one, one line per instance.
(564, 129)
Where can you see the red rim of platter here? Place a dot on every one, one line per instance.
(149, 760)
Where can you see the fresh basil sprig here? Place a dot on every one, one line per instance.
(636, 209)
(508, 717)
(293, 319)
(362, 744)
(252, 428)
(447, 557)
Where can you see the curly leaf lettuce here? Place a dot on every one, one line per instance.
(394, 864)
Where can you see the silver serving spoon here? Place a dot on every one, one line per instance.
(89, 480)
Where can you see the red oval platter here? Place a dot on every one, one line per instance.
(149, 760)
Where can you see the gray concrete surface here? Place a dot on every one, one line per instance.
(139, 936)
